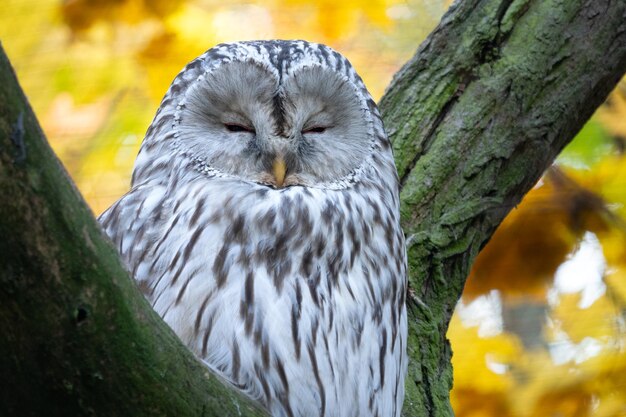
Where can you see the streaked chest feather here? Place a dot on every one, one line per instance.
(296, 296)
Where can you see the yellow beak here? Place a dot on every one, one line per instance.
(279, 170)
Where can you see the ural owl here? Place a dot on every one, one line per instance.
(263, 226)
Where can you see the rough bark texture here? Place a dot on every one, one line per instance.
(484, 107)
(78, 338)
(476, 116)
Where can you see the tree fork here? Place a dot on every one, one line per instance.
(486, 104)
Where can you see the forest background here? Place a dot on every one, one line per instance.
(540, 329)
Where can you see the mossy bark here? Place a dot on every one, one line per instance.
(476, 116)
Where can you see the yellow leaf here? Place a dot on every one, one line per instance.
(475, 358)
(613, 112)
(597, 321)
(616, 283)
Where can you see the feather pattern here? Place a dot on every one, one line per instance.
(295, 295)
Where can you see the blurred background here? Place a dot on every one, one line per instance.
(541, 327)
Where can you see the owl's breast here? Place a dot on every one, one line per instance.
(294, 295)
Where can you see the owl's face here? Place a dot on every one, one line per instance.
(305, 127)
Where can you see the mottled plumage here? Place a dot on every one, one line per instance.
(291, 288)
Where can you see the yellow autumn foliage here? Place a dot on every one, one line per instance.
(475, 369)
(535, 238)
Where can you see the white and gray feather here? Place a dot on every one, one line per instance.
(294, 292)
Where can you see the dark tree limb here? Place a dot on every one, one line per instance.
(476, 116)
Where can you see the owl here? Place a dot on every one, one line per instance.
(263, 226)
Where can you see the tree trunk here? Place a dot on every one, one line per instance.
(476, 116)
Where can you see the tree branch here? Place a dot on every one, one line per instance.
(476, 116)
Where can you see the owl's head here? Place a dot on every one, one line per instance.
(278, 113)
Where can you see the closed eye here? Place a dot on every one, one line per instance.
(316, 129)
(234, 127)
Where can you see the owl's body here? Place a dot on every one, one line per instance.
(289, 282)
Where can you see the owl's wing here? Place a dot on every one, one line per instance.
(133, 222)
